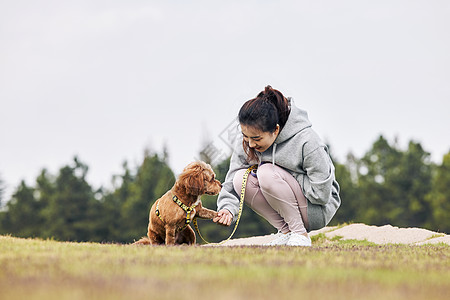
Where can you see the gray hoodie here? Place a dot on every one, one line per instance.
(299, 150)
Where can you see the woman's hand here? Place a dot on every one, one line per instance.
(224, 217)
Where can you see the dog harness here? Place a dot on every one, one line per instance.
(187, 209)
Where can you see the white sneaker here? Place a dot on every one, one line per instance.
(280, 239)
(297, 239)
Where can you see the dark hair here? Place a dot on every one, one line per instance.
(264, 112)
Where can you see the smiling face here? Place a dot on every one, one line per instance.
(257, 139)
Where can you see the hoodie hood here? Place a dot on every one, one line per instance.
(297, 121)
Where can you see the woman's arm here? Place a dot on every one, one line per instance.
(228, 200)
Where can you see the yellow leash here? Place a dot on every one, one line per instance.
(241, 205)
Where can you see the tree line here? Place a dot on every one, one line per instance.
(387, 185)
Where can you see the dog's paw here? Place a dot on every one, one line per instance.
(211, 215)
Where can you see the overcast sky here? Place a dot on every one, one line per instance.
(105, 80)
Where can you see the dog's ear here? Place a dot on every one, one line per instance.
(192, 179)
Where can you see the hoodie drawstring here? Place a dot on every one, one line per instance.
(273, 153)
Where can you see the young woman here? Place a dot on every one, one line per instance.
(294, 187)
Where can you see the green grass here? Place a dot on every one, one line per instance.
(331, 269)
(437, 235)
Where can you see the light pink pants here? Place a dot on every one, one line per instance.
(276, 196)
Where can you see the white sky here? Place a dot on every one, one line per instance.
(106, 79)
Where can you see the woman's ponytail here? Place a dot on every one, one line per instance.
(279, 101)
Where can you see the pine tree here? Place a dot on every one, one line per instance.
(414, 182)
(2, 190)
(439, 197)
(115, 218)
(71, 209)
(378, 198)
(23, 219)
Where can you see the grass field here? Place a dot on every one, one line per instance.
(38, 269)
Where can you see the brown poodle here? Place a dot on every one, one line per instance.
(171, 214)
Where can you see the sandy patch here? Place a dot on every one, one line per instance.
(376, 234)
(382, 235)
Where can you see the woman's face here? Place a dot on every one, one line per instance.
(259, 140)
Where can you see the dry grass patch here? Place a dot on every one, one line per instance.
(37, 269)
